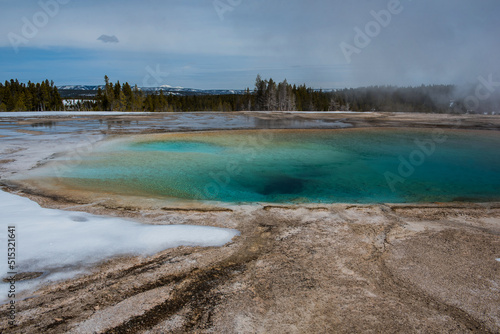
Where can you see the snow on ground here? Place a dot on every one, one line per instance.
(28, 151)
(118, 113)
(62, 244)
(312, 112)
(68, 113)
(330, 112)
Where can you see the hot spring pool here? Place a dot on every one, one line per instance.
(292, 166)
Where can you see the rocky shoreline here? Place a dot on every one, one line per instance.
(410, 268)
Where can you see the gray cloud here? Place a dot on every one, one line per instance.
(108, 39)
(446, 41)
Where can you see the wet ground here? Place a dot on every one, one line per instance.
(343, 268)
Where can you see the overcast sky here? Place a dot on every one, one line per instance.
(226, 43)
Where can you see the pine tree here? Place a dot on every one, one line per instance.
(127, 92)
(20, 103)
(260, 92)
(271, 96)
(138, 99)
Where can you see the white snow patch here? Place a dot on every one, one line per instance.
(329, 112)
(311, 112)
(498, 259)
(62, 244)
(69, 113)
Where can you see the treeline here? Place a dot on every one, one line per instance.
(123, 97)
(118, 97)
(15, 96)
(269, 95)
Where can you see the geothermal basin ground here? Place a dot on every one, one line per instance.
(291, 266)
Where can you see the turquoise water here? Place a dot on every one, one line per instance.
(351, 166)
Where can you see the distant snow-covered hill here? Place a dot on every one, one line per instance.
(79, 87)
(76, 91)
